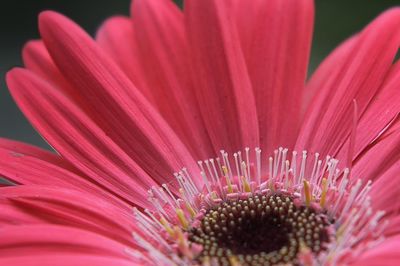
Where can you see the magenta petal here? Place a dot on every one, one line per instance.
(223, 86)
(28, 165)
(40, 204)
(328, 121)
(163, 51)
(51, 245)
(277, 64)
(386, 254)
(125, 53)
(77, 138)
(112, 100)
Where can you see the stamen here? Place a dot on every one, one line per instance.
(326, 214)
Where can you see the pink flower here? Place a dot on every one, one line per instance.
(155, 93)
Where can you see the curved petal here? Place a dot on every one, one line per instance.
(386, 254)
(125, 52)
(23, 205)
(277, 64)
(112, 100)
(58, 245)
(385, 192)
(163, 52)
(77, 138)
(378, 158)
(223, 86)
(328, 120)
(28, 165)
(381, 113)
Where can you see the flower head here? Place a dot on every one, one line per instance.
(192, 138)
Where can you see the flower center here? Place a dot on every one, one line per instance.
(298, 210)
(259, 230)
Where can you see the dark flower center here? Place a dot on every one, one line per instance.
(260, 230)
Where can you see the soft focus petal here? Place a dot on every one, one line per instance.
(277, 64)
(77, 138)
(222, 83)
(328, 121)
(162, 48)
(386, 254)
(49, 245)
(112, 100)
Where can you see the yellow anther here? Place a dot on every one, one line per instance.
(246, 185)
(324, 191)
(307, 193)
(167, 228)
(234, 261)
(206, 261)
(182, 219)
(225, 170)
(190, 209)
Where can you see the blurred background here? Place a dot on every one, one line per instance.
(335, 21)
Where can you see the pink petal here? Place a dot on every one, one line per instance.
(222, 84)
(385, 192)
(58, 245)
(386, 254)
(41, 204)
(378, 158)
(328, 68)
(77, 138)
(277, 64)
(163, 52)
(125, 53)
(112, 100)
(329, 119)
(28, 165)
(380, 113)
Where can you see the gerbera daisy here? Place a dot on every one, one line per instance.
(191, 138)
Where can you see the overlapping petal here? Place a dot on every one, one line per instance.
(328, 120)
(129, 119)
(222, 82)
(49, 245)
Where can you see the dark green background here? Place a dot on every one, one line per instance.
(335, 21)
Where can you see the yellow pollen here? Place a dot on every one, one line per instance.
(324, 191)
(206, 261)
(307, 193)
(190, 209)
(167, 228)
(182, 219)
(228, 181)
(246, 184)
(234, 261)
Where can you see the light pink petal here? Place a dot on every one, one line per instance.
(329, 119)
(386, 254)
(222, 83)
(125, 52)
(163, 52)
(277, 65)
(40, 204)
(51, 245)
(77, 138)
(111, 99)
